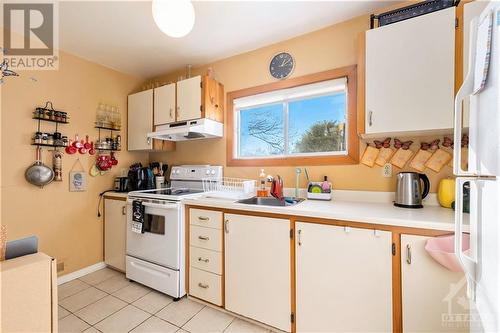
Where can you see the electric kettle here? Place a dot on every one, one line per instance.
(409, 192)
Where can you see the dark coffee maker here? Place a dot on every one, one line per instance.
(139, 178)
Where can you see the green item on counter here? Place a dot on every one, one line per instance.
(315, 189)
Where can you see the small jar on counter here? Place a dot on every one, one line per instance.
(50, 139)
(44, 138)
(64, 141)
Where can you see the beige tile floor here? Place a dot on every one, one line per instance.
(105, 301)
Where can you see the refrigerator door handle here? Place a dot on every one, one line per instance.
(468, 264)
(465, 90)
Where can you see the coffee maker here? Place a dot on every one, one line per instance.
(140, 178)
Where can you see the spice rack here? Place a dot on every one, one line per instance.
(48, 114)
(114, 143)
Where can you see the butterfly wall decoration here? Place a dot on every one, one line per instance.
(4, 68)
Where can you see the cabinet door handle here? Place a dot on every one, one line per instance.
(171, 110)
(202, 285)
(124, 210)
(370, 118)
(299, 237)
(203, 218)
(205, 238)
(226, 226)
(205, 260)
(148, 140)
(408, 254)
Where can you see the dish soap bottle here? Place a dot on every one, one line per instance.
(325, 186)
(261, 191)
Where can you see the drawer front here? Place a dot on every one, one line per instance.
(206, 260)
(206, 238)
(205, 218)
(205, 285)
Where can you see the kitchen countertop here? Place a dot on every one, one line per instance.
(112, 194)
(383, 213)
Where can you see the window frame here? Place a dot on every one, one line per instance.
(352, 142)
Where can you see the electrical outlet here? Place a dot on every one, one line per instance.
(387, 170)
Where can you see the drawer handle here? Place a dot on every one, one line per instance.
(124, 210)
(205, 238)
(203, 218)
(203, 259)
(408, 254)
(202, 285)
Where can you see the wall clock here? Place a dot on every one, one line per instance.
(281, 65)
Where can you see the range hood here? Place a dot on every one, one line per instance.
(188, 130)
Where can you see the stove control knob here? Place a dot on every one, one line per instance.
(212, 172)
(207, 172)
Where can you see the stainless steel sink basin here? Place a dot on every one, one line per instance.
(270, 201)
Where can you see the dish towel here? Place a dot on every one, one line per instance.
(138, 216)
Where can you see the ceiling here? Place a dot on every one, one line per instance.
(122, 34)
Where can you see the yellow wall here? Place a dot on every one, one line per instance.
(329, 48)
(65, 222)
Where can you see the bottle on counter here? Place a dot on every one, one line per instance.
(325, 185)
(262, 191)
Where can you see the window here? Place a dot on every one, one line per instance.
(308, 120)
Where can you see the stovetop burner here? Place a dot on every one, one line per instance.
(176, 191)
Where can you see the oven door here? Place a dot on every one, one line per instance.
(159, 243)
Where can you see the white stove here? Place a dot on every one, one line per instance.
(156, 251)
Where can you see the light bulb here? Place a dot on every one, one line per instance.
(174, 17)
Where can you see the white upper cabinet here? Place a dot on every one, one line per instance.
(431, 293)
(410, 73)
(189, 99)
(140, 120)
(257, 269)
(164, 104)
(343, 279)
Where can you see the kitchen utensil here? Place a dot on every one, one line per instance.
(87, 143)
(409, 191)
(277, 188)
(82, 149)
(92, 149)
(103, 163)
(70, 149)
(39, 174)
(307, 175)
(77, 143)
(57, 165)
(113, 159)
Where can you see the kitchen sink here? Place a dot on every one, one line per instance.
(271, 201)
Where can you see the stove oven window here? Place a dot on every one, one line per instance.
(154, 224)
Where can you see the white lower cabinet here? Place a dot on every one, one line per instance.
(432, 295)
(257, 269)
(115, 232)
(343, 279)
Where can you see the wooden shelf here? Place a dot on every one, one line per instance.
(107, 149)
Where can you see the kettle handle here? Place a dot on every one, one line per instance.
(427, 184)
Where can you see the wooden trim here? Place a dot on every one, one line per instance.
(341, 223)
(223, 259)
(293, 283)
(187, 259)
(397, 299)
(352, 156)
(361, 82)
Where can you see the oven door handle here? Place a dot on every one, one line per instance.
(163, 206)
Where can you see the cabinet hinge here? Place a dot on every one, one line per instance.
(393, 249)
(292, 317)
(291, 233)
(201, 84)
(456, 22)
(201, 108)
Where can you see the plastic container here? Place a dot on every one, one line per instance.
(442, 249)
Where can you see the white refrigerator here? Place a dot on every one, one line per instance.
(481, 170)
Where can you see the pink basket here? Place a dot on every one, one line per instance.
(442, 249)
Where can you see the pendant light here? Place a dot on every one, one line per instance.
(175, 18)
